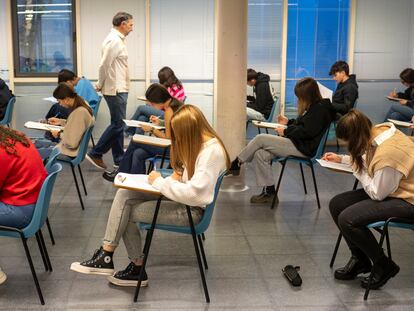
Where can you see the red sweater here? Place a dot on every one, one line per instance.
(21, 176)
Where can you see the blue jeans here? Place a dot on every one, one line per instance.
(112, 137)
(143, 113)
(135, 156)
(44, 147)
(400, 112)
(16, 216)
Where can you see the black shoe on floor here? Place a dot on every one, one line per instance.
(354, 267)
(101, 263)
(129, 276)
(234, 168)
(384, 271)
(264, 197)
(110, 176)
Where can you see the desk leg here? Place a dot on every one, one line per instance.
(355, 184)
(146, 252)
(163, 157)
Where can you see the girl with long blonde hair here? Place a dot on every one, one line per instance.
(198, 157)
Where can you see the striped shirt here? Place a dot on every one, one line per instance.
(177, 92)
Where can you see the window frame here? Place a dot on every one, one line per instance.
(16, 55)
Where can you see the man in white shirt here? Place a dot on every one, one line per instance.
(114, 84)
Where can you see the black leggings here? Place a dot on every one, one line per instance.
(352, 211)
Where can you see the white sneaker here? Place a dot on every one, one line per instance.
(3, 277)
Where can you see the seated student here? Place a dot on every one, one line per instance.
(383, 161)
(198, 158)
(301, 138)
(403, 111)
(21, 176)
(167, 78)
(79, 120)
(5, 96)
(260, 105)
(346, 92)
(133, 160)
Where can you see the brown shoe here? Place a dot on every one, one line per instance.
(98, 162)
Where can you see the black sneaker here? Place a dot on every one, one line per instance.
(234, 168)
(129, 276)
(264, 197)
(110, 176)
(101, 263)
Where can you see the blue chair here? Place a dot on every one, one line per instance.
(9, 112)
(195, 230)
(271, 115)
(382, 228)
(35, 226)
(95, 114)
(83, 148)
(308, 161)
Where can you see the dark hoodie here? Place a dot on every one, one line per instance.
(264, 100)
(5, 95)
(345, 95)
(408, 95)
(306, 131)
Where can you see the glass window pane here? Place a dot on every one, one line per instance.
(44, 39)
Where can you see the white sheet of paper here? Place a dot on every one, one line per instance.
(51, 99)
(42, 126)
(151, 140)
(401, 123)
(396, 99)
(135, 123)
(142, 98)
(325, 92)
(134, 181)
(336, 166)
(268, 124)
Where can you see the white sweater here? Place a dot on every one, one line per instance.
(199, 190)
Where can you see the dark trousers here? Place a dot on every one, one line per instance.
(352, 211)
(113, 138)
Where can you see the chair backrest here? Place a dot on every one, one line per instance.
(83, 147)
(52, 159)
(208, 211)
(96, 109)
(272, 112)
(321, 146)
(42, 204)
(9, 112)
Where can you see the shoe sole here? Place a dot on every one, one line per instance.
(77, 267)
(362, 271)
(391, 275)
(264, 202)
(94, 163)
(125, 283)
(3, 278)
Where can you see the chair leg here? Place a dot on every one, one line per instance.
(36, 281)
(77, 185)
(355, 184)
(42, 240)
(303, 178)
(338, 242)
(387, 239)
(200, 266)
(93, 142)
(200, 242)
(371, 275)
(314, 183)
(49, 228)
(39, 243)
(203, 236)
(147, 246)
(278, 184)
(150, 167)
(82, 180)
(267, 130)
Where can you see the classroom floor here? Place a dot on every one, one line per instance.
(247, 246)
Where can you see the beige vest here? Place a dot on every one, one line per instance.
(397, 152)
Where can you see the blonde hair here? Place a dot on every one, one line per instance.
(188, 127)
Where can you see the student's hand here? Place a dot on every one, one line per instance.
(98, 88)
(176, 175)
(332, 157)
(155, 120)
(280, 131)
(153, 176)
(282, 120)
(403, 101)
(393, 94)
(146, 128)
(54, 121)
(54, 133)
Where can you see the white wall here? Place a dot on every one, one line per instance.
(3, 38)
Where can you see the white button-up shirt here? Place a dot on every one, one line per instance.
(113, 69)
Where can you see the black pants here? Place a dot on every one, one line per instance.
(352, 211)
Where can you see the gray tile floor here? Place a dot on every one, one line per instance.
(247, 246)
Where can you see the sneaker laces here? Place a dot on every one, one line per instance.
(95, 256)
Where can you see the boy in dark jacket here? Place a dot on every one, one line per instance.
(260, 105)
(346, 92)
(5, 95)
